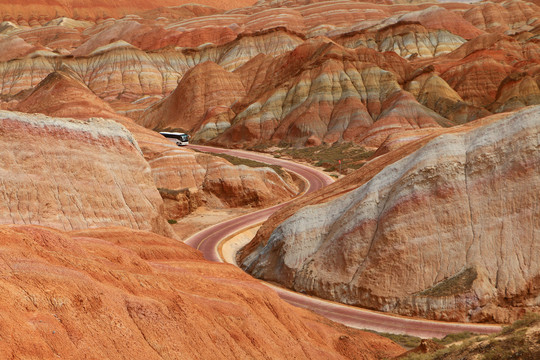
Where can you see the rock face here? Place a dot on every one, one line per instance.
(458, 60)
(42, 11)
(73, 174)
(104, 57)
(63, 94)
(201, 103)
(435, 93)
(218, 183)
(186, 179)
(495, 17)
(321, 93)
(445, 228)
(407, 39)
(325, 92)
(516, 91)
(318, 92)
(116, 292)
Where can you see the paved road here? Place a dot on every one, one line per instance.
(208, 240)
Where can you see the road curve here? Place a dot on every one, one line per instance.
(207, 241)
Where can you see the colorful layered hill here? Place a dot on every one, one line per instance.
(39, 11)
(117, 292)
(75, 174)
(444, 227)
(441, 223)
(195, 179)
(460, 61)
(319, 92)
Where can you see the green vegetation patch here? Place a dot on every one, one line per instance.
(512, 342)
(457, 284)
(514, 346)
(526, 321)
(451, 352)
(407, 341)
(352, 156)
(411, 342)
(452, 338)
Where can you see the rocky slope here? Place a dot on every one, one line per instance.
(444, 227)
(39, 12)
(116, 292)
(320, 92)
(462, 61)
(187, 179)
(307, 95)
(75, 174)
(520, 340)
(201, 104)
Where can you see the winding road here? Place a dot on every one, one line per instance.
(209, 239)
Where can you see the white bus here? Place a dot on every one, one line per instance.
(180, 139)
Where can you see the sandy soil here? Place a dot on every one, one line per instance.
(203, 218)
(230, 247)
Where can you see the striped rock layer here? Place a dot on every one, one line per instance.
(38, 12)
(459, 60)
(122, 293)
(320, 92)
(74, 174)
(186, 179)
(446, 227)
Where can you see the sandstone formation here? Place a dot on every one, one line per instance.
(134, 61)
(478, 69)
(201, 103)
(63, 94)
(439, 55)
(442, 222)
(495, 17)
(433, 92)
(516, 91)
(75, 174)
(444, 227)
(195, 179)
(113, 71)
(39, 12)
(407, 39)
(117, 292)
(318, 92)
(186, 179)
(325, 92)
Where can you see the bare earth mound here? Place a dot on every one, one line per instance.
(97, 9)
(75, 174)
(445, 228)
(120, 293)
(284, 72)
(187, 179)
